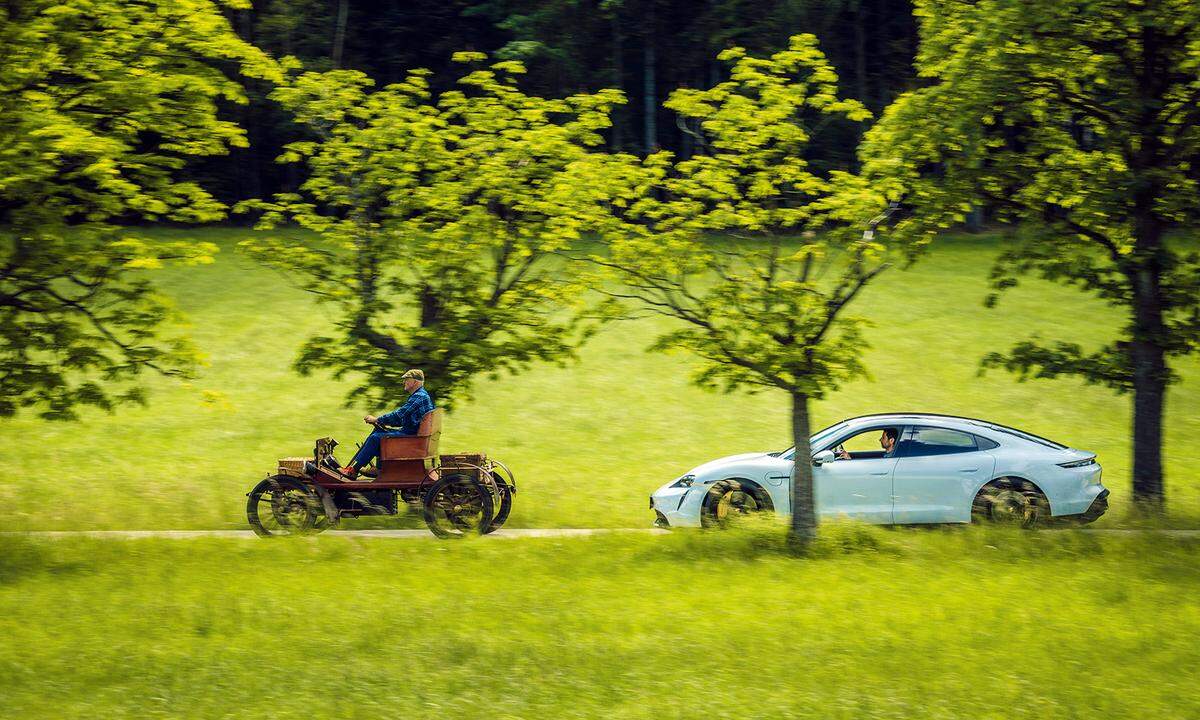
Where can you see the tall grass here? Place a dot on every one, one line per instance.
(873, 624)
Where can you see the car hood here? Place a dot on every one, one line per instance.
(719, 464)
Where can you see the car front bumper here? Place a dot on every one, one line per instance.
(668, 504)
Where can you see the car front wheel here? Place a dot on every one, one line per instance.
(731, 499)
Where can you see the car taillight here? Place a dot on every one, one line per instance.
(1078, 463)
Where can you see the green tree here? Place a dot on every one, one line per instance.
(440, 221)
(765, 309)
(101, 104)
(1076, 122)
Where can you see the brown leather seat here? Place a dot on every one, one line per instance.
(422, 446)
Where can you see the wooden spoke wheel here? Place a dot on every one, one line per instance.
(458, 505)
(282, 505)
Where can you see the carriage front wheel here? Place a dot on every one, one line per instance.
(458, 505)
(282, 505)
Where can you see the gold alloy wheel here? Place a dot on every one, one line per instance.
(735, 502)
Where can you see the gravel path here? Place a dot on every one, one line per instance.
(184, 534)
(425, 534)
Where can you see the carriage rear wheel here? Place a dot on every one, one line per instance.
(504, 507)
(282, 505)
(458, 505)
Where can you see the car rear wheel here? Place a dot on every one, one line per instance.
(728, 500)
(1010, 501)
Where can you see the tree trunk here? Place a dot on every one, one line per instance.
(804, 516)
(1149, 333)
(1149, 394)
(860, 52)
(339, 32)
(649, 90)
(618, 61)
(250, 175)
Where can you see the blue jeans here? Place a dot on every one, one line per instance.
(370, 447)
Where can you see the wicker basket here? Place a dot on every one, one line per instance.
(293, 465)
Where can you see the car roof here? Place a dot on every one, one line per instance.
(952, 421)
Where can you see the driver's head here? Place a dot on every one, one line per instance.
(413, 379)
(887, 439)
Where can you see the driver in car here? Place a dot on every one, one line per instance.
(406, 420)
(887, 441)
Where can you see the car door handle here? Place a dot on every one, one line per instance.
(885, 472)
(969, 469)
(779, 477)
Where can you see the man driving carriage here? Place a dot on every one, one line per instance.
(403, 421)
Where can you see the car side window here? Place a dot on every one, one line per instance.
(863, 444)
(985, 444)
(923, 441)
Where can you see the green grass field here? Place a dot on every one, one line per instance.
(968, 623)
(588, 442)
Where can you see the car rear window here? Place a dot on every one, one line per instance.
(937, 441)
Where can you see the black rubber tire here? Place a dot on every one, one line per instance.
(295, 508)
(504, 507)
(1010, 501)
(452, 490)
(727, 499)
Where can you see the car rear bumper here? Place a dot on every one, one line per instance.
(1098, 507)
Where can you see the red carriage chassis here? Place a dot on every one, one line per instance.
(459, 494)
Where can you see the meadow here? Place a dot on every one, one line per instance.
(950, 623)
(588, 441)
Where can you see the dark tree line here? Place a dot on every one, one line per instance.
(645, 48)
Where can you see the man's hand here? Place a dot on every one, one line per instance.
(370, 419)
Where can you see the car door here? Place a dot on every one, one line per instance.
(937, 474)
(857, 489)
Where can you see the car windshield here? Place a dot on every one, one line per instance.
(816, 440)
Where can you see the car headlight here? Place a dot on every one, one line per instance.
(685, 481)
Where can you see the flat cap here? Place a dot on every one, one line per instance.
(414, 374)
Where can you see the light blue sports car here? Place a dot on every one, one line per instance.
(901, 468)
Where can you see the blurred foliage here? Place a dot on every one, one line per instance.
(101, 105)
(1077, 124)
(441, 218)
(569, 47)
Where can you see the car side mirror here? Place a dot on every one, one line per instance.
(825, 456)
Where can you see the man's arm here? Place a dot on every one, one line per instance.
(396, 417)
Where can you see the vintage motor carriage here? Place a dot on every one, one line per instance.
(459, 494)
